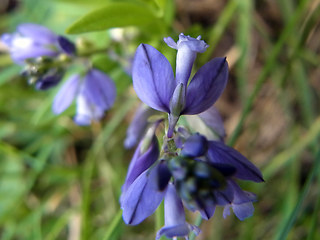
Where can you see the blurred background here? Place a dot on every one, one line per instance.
(62, 181)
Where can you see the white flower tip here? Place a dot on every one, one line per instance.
(170, 42)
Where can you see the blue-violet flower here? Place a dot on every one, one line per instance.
(95, 93)
(156, 86)
(33, 40)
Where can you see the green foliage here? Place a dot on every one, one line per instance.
(119, 14)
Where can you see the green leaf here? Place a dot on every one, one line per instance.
(118, 14)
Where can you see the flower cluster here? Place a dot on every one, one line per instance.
(189, 170)
(46, 58)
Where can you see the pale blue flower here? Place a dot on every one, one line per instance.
(95, 93)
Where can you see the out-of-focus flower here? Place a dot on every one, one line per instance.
(155, 84)
(33, 40)
(95, 93)
(43, 52)
(66, 45)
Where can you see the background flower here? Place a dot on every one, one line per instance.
(95, 94)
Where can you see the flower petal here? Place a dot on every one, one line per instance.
(22, 48)
(207, 211)
(243, 211)
(242, 202)
(49, 80)
(86, 111)
(213, 120)
(224, 196)
(7, 38)
(141, 161)
(170, 42)
(163, 175)
(218, 152)
(37, 32)
(195, 146)
(138, 125)
(241, 196)
(100, 89)
(206, 86)
(173, 207)
(181, 230)
(66, 94)
(194, 44)
(142, 198)
(66, 45)
(153, 78)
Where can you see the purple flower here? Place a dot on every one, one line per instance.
(95, 93)
(175, 220)
(200, 177)
(155, 84)
(33, 40)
